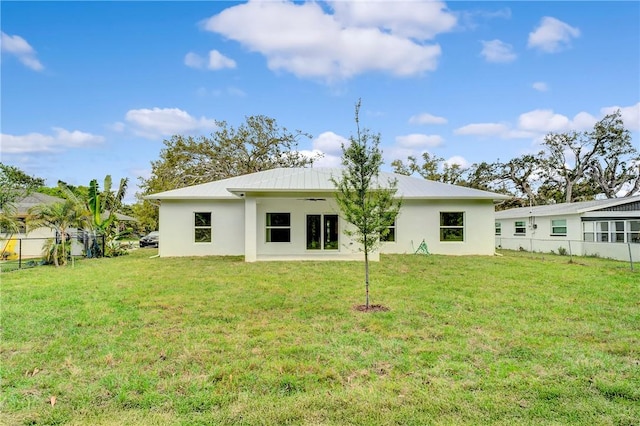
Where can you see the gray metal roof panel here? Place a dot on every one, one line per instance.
(319, 180)
(564, 208)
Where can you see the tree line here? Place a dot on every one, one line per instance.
(572, 166)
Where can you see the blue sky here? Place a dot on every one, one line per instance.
(93, 88)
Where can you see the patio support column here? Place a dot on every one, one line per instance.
(250, 230)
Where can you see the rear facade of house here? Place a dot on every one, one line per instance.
(291, 214)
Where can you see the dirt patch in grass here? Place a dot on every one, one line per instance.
(371, 308)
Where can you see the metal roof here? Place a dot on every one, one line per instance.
(564, 208)
(33, 199)
(315, 180)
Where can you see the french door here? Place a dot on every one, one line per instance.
(322, 232)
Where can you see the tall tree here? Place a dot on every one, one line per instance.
(432, 168)
(522, 173)
(256, 145)
(365, 202)
(603, 159)
(616, 168)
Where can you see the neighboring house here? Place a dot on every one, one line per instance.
(291, 214)
(29, 242)
(607, 228)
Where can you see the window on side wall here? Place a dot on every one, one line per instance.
(521, 227)
(559, 227)
(633, 236)
(587, 231)
(278, 229)
(202, 227)
(498, 228)
(390, 236)
(451, 226)
(602, 232)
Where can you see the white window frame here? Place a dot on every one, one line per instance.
(498, 230)
(555, 226)
(523, 226)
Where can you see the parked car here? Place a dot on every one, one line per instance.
(150, 240)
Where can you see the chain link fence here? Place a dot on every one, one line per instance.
(27, 252)
(625, 252)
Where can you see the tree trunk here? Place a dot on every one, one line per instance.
(366, 277)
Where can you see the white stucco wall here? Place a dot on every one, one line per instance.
(299, 208)
(176, 225)
(539, 239)
(420, 219)
(538, 236)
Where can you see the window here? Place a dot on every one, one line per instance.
(498, 228)
(202, 227)
(614, 231)
(602, 232)
(617, 232)
(559, 227)
(390, 237)
(587, 231)
(633, 236)
(451, 226)
(322, 232)
(278, 227)
(521, 227)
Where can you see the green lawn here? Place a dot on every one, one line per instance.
(137, 340)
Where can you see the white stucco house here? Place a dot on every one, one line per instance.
(291, 214)
(606, 228)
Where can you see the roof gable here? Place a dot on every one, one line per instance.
(310, 180)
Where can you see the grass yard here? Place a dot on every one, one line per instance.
(519, 339)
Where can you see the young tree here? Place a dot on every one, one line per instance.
(365, 202)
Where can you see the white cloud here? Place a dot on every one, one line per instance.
(19, 47)
(497, 51)
(540, 86)
(545, 121)
(483, 129)
(60, 140)
(218, 61)
(535, 124)
(426, 118)
(159, 122)
(459, 160)
(193, 60)
(630, 115)
(305, 40)
(552, 35)
(327, 160)
(330, 143)
(417, 140)
(411, 19)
